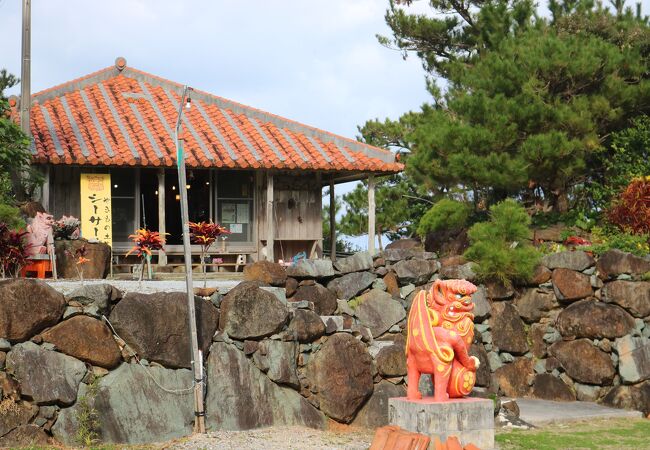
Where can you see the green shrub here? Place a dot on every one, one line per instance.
(500, 246)
(11, 216)
(608, 238)
(447, 214)
(88, 425)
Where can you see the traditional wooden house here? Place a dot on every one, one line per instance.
(258, 174)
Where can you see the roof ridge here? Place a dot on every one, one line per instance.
(75, 81)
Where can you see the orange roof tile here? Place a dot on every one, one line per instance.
(124, 117)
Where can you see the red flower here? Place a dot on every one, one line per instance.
(205, 233)
(145, 242)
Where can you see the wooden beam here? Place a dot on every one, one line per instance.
(371, 214)
(332, 222)
(270, 218)
(162, 256)
(45, 192)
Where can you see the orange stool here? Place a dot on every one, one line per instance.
(38, 266)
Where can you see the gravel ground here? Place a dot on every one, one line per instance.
(277, 438)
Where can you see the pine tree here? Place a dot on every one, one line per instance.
(530, 102)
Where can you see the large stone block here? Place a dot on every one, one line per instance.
(416, 271)
(594, 320)
(351, 284)
(267, 272)
(576, 260)
(374, 413)
(324, 300)
(615, 262)
(241, 397)
(87, 339)
(155, 325)
(583, 362)
(340, 374)
(355, 263)
(378, 311)
(311, 268)
(469, 419)
(634, 296)
(633, 358)
(535, 304)
(571, 285)
(27, 307)
(508, 330)
(98, 253)
(45, 376)
(133, 409)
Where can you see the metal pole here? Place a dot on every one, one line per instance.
(25, 73)
(199, 412)
(332, 221)
(371, 214)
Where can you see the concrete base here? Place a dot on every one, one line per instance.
(469, 419)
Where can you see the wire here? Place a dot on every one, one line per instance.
(147, 370)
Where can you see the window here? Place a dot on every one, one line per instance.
(123, 203)
(235, 204)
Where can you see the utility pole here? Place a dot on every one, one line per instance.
(25, 72)
(197, 363)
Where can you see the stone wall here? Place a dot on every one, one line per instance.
(312, 344)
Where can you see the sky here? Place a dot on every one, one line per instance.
(314, 61)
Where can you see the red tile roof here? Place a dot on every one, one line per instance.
(126, 118)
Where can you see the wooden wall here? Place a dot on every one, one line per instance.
(297, 213)
(297, 208)
(65, 196)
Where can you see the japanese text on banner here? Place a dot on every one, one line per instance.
(96, 215)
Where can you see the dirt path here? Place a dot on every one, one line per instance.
(277, 438)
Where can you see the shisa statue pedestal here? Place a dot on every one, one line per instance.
(471, 420)
(440, 330)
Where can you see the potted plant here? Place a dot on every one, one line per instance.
(205, 234)
(145, 241)
(66, 228)
(13, 251)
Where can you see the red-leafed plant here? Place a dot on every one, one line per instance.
(79, 256)
(13, 251)
(205, 234)
(145, 241)
(631, 210)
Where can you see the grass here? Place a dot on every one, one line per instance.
(620, 434)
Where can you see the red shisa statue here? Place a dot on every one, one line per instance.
(440, 332)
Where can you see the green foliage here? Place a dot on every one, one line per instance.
(11, 216)
(397, 213)
(459, 32)
(15, 158)
(531, 104)
(446, 214)
(608, 238)
(342, 245)
(608, 434)
(500, 247)
(626, 158)
(88, 425)
(645, 276)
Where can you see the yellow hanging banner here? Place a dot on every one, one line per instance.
(96, 215)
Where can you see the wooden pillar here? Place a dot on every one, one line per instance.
(371, 214)
(270, 218)
(162, 256)
(332, 222)
(45, 191)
